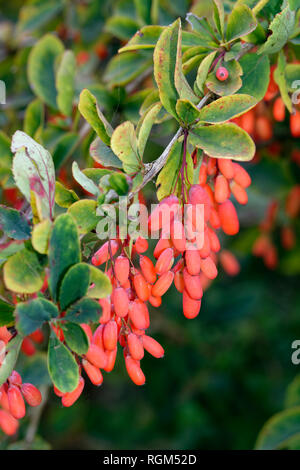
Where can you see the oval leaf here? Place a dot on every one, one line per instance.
(74, 285)
(76, 338)
(32, 314)
(226, 108)
(62, 366)
(23, 273)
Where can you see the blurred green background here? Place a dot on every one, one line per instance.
(223, 374)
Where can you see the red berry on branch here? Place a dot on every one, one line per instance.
(222, 74)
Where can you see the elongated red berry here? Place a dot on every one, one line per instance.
(163, 213)
(155, 301)
(178, 281)
(192, 285)
(3, 397)
(165, 261)
(239, 193)
(139, 315)
(279, 109)
(141, 287)
(121, 301)
(134, 371)
(226, 167)
(208, 267)
(96, 356)
(110, 335)
(122, 269)
(222, 74)
(229, 263)
(192, 260)
(37, 336)
(153, 347)
(31, 394)
(213, 241)
(141, 245)
(241, 176)
(28, 347)
(15, 378)
(148, 269)
(199, 195)
(229, 219)
(5, 334)
(16, 402)
(191, 307)
(111, 359)
(135, 346)
(178, 236)
(222, 191)
(106, 309)
(71, 397)
(103, 254)
(93, 372)
(162, 244)
(8, 423)
(162, 284)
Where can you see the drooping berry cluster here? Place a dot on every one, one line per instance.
(13, 393)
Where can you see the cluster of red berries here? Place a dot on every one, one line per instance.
(13, 392)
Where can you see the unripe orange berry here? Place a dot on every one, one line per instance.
(162, 284)
(239, 193)
(96, 356)
(134, 371)
(135, 346)
(226, 167)
(71, 397)
(16, 402)
(209, 268)
(229, 263)
(165, 261)
(279, 109)
(141, 245)
(110, 335)
(148, 269)
(153, 347)
(241, 176)
(122, 269)
(31, 394)
(141, 287)
(229, 219)
(222, 191)
(121, 301)
(103, 254)
(93, 373)
(191, 307)
(8, 423)
(192, 285)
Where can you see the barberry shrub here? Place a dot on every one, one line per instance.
(82, 292)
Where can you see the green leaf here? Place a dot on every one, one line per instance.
(224, 141)
(104, 155)
(102, 285)
(279, 430)
(280, 79)
(76, 338)
(35, 370)
(219, 16)
(95, 174)
(229, 86)
(65, 83)
(282, 27)
(12, 352)
(202, 28)
(90, 110)
(145, 126)
(41, 68)
(145, 38)
(187, 112)
(84, 311)
(33, 171)
(183, 88)
(125, 67)
(165, 54)
(256, 75)
(74, 285)
(7, 313)
(294, 4)
(203, 70)
(292, 397)
(124, 145)
(241, 21)
(292, 76)
(226, 108)
(121, 26)
(62, 366)
(14, 223)
(84, 215)
(40, 236)
(31, 315)
(34, 117)
(36, 15)
(64, 197)
(167, 178)
(119, 183)
(85, 182)
(63, 148)
(23, 273)
(64, 251)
